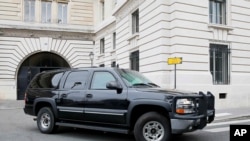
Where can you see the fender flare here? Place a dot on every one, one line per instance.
(46, 100)
(159, 103)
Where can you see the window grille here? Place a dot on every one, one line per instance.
(219, 63)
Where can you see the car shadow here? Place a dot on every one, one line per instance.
(93, 135)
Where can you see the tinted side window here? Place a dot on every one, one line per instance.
(76, 80)
(46, 80)
(56, 79)
(100, 79)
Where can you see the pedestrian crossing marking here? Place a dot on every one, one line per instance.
(222, 114)
(228, 122)
(222, 129)
(213, 129)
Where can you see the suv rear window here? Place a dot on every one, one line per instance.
(76, 80)
(46, 80)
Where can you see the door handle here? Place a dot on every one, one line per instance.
(63, 95)
(89, 95)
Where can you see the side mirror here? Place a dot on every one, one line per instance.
(114, 85)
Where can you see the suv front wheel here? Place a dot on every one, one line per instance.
(152, 126)
(46, 120)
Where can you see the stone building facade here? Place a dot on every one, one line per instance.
(37, 35)
(211, 37)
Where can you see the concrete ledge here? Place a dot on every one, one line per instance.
(11, 104)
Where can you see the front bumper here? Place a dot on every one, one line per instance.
(181, 126)
(205, 113)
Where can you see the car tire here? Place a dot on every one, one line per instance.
(152, 126)
(46, 121)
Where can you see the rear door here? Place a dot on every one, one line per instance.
(105, 105)
(72, 95)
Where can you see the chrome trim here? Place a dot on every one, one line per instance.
(70, 109)
(102, 113)
(92, 111)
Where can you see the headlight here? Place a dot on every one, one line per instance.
(185, 106)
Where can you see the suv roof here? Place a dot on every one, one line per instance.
(83, 68)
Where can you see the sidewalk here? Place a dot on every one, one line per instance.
(221, 114)
(11, 104)
(234, 113)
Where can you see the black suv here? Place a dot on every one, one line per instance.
(114, 100)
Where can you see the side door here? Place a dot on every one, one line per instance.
(104, 105)
(72, 95)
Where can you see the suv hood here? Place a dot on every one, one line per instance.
(165, 91)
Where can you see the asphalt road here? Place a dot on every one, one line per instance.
(16, 126)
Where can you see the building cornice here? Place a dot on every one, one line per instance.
(118, 7)
(24, 33)
(105, 24)
(122, 4)
(125, 8)
(45, 27)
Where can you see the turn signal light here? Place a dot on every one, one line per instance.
(180, 111)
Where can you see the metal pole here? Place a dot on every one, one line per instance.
(175, 76)
(91, 56)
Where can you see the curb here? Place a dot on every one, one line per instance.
(240, 117)
(12, 108)
(11, 104)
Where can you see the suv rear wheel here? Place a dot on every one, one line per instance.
(46, 120)
(152, 126)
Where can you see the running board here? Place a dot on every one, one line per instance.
(98, 128)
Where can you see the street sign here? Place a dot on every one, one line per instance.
(175, 60)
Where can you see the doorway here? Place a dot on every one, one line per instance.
(35, 64)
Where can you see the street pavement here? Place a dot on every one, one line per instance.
(15, 125)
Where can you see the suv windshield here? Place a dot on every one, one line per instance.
(135, 79)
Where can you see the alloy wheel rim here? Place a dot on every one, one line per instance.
(153, 131)
(45, 120)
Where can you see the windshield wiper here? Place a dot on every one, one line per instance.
(141, 84)
(153, 84)
(145, 84)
